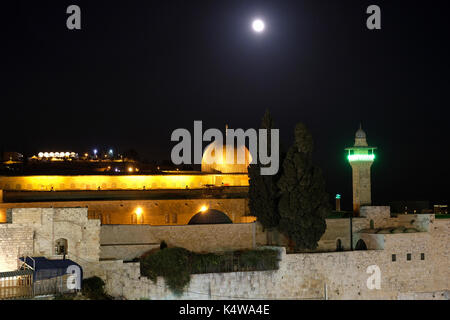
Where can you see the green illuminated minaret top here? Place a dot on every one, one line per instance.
(361, 157)
(361, 150)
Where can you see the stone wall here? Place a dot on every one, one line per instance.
(154, 212)
(127, 242)
(15, 241)
(336, 275)
(117, 182)
(40, 228)
(124, 241)
(421, 268)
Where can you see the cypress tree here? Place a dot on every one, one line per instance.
(303, 204)
(263, 189)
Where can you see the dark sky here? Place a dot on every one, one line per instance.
(140, 69)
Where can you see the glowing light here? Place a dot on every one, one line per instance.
(203, 209)
(138, 211)
(338, 196)
(258, 25)
(40, 154)
(111, 151)
(130, 169)
(361, 157)
(95, 151)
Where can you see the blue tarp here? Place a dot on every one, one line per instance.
(46, 269)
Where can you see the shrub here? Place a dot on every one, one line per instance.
(170, 263)
(94, 288)
(176, 265)
(265, 259)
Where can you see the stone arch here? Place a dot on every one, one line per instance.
(61, 246)
(361, 245)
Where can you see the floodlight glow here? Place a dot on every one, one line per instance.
(138, 211)
(41, 155)
(361, 157)
(258, 25)
(338, 196)
(203, 209)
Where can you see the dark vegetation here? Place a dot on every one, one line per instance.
(176, 265)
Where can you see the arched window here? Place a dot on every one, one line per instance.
(339, 246)
(372, 224)
(361, 245)
(61, 246)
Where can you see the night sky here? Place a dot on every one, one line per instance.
(137, 70)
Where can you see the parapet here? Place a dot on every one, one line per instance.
(375, 212)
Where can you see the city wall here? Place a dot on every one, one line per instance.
(331, 275)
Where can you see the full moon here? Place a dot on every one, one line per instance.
(258, 25)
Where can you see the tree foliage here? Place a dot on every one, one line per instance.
(263, 189)
(303, 204)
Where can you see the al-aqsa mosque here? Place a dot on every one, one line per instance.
(167, 198)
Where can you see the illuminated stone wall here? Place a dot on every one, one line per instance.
(14, 242)
(116, 182)
(306, 275)
(126, 242)
(154, 212)
(34, 231)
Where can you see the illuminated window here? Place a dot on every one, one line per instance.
(167, 218)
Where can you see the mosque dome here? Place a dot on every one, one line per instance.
(212, 163)
(210, 216)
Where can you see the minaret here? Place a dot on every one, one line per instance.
(361, 157)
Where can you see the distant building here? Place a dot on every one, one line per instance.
(440, 209)
(410, 207)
